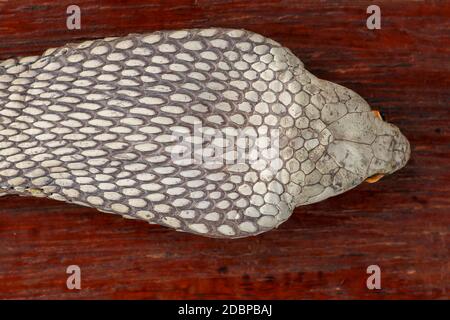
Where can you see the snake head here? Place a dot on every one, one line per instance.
(360, 145)
(367, 146)
(363, 145)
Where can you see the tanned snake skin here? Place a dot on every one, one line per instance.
(99, 123)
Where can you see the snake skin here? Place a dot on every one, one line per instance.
(98, 124)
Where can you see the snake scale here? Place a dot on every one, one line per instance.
(217, 132)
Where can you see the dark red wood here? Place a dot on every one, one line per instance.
(400, 223)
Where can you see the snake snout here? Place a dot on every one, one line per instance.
(391, 150)
(401, 152)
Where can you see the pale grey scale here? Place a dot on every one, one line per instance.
(92, 124)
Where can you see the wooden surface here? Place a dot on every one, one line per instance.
(400, 223)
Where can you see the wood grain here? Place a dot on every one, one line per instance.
(400, 223)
